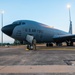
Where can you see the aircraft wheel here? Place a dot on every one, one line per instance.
(29, 47)
(58, 44)
(49, 44)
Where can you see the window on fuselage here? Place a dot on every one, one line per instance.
(33, 30)
(17, 23)
(39, 31)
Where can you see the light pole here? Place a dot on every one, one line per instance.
(2, 12)
(69, 6)
(70, 28)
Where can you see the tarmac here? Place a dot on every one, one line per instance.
(44, 61)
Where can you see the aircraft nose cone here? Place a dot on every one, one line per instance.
(7, 30)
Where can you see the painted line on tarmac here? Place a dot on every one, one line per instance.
(60, 48)
(57, 49)
(38, 69)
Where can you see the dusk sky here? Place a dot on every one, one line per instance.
(50, 12)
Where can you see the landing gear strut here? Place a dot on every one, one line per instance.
(34, 44)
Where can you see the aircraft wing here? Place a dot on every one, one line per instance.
(63, 38)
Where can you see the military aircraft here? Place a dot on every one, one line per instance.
(34, 32)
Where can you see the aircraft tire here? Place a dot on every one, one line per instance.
(28, 47)
(58, 44)
(49, 44)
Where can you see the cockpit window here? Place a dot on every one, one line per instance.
(19, 23)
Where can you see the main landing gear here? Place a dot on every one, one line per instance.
(70, 43)
(49, 44)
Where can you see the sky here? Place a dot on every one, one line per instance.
(50, 12)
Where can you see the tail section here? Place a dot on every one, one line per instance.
(70, 28)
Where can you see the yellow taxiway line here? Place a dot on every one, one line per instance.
(56, 48)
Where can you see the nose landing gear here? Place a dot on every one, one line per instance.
(32, 46)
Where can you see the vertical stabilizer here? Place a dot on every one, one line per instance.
(70, 28)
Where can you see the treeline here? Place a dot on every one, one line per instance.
(3, 44)
(16, 42)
